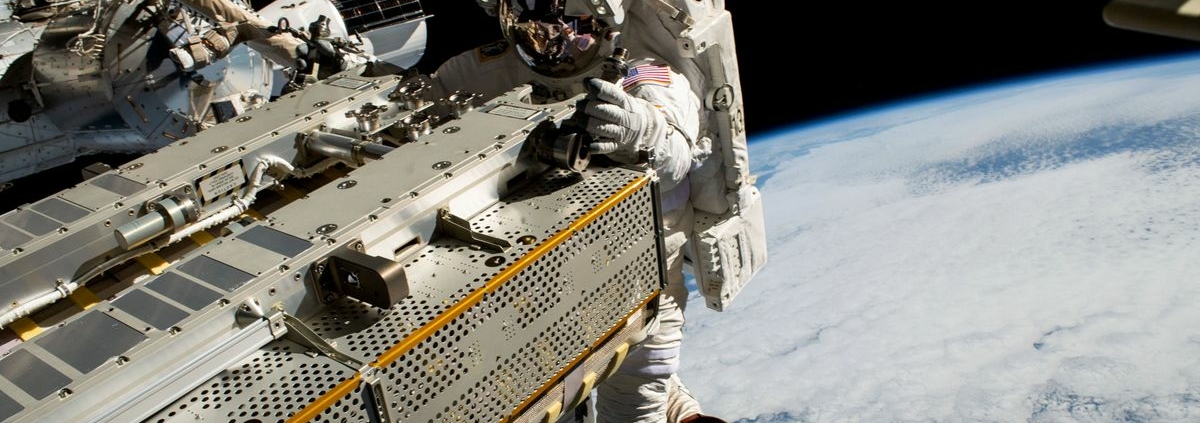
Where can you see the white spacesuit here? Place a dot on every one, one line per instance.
(299, 48)
(235, 25)
(652, 112)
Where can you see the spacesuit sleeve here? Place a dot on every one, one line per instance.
(671, 149)
(488, 70)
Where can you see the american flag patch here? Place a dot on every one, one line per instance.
(647, 74)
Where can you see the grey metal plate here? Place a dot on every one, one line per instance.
(117, 184)
(246, 257)
(274, 240)
(31, 222)
(87, 343)
(216, 273)
(151, 310)
(91, 197)
(31, 374)
(10, 237)
(8, 407)
(183, 290)
(60, 210)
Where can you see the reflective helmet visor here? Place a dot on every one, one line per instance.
(551, 42)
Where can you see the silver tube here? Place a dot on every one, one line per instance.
(141, 230)
(167, 214)
(343, 148)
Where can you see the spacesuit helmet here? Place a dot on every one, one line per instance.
(560, 38)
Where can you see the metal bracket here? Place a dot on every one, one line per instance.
(277, 325)
(375, 397)
(300, 333)
(252, 311)
(460, 229)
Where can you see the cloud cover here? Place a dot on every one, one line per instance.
(1022, 253)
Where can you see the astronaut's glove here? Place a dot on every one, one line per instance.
(620, 124)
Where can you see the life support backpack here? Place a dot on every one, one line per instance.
(728, 245)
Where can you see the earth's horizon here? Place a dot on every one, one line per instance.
(1023, 252)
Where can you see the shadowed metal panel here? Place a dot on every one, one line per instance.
(87, 343)
(150, 310)
(117, 184)
(10, 237)
(274, 240)
(214, 272)
(61, 210)
(183, 291)
(31, 374)
(31, 222)
(8, 407)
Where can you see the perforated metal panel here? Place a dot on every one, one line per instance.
(482, 334)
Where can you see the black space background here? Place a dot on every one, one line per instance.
(802, 61)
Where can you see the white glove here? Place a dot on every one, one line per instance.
(618, 122)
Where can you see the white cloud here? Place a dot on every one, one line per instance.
(899, 291)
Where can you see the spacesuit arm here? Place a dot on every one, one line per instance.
(659, 118)
(670, 146)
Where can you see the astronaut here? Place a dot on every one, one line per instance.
(234, 25)
(559, 47)
(313, 54)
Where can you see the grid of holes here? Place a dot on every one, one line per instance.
(304, 384)
(569, 195)
(428, 369)
(349, 409)
(515, 378)
(253, 393)
(499, 392)
(600, 186)
(619, 229)
(449, 255)
(401, 320)
(535, 290)
(586, 194)
(344, 317)
(422, 374)
(548, 184)
(501, 216)
(620, 294)
(425, 371)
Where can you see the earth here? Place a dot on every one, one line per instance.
(1024, 252)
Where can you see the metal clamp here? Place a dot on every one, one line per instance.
(367, 117)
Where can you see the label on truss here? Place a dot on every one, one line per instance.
(220, 182)
(513, 111)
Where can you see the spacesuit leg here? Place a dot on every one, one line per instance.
(241, 26)
(641, 390)
(680, 402)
